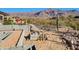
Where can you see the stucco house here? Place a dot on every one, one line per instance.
(2, 16)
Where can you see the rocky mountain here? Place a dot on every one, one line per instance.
(21, 14)
(45, 13)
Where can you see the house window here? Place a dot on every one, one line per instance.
(1, 18)
(5, 18)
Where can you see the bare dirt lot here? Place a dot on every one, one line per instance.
(11, 40)
(53, 42)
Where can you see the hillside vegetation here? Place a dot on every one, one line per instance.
(69, 21)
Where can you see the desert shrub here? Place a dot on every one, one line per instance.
(41, 21)
(63, 21)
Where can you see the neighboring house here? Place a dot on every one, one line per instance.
(16, 20)
(19, 21)
(2, 16)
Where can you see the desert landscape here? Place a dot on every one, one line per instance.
(48, 29)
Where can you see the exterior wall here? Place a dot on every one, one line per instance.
(16, 27)
(7, 17)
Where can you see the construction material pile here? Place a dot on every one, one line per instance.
(71, 39)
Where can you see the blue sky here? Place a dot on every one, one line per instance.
(31, 9)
